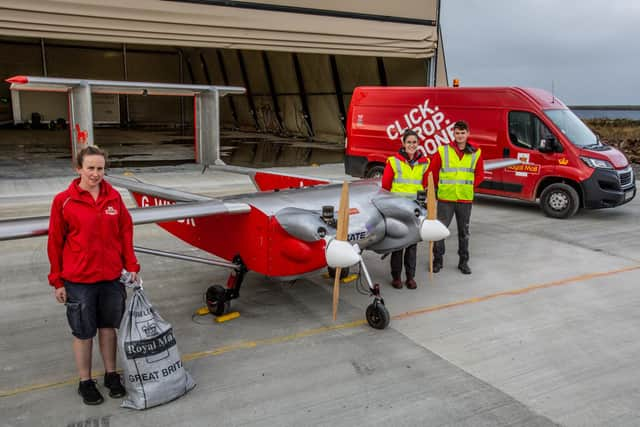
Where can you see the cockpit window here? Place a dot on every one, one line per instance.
(573, 128)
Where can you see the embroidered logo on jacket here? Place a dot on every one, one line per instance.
(111, 211)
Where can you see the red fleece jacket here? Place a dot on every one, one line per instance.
(89, 241)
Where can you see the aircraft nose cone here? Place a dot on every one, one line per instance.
(432, 229)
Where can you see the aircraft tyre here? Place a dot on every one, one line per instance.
(217, 301)
(377, 315)
(560, 200)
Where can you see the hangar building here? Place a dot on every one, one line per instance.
(298, 59)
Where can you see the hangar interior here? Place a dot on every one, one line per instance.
(298, 64)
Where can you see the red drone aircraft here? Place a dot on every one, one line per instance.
(288, 228)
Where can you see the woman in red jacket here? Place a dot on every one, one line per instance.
(90, 243)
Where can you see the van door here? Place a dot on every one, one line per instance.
(525, 132)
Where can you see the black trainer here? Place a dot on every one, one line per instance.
(437, 266)
(464, 267)
(90, 394)
(112, 382)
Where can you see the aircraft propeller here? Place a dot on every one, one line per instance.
(340, 253)
(341, 235)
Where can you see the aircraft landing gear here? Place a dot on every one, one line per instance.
(377, 314)
(217, 301)
(218, 298)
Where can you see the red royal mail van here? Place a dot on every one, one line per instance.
(564, 166)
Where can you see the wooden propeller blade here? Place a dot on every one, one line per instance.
(336, 292)
(343, 213)
(431, 198)
(341, 234)
(431, 214)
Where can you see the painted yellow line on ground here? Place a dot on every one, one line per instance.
(274, 340)
(317, 331)
(199, 355)
(520, 291)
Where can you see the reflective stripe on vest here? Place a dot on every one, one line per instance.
(457, 175)
(407, 180)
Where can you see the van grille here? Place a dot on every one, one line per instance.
(625, 177)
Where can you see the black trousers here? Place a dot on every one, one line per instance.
(446, 211)
(410, 253)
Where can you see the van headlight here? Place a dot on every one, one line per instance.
(596, 163)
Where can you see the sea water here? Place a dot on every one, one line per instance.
(607, 114)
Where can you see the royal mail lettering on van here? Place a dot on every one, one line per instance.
(432, 126)
(524, 168)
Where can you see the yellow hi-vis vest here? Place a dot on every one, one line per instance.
(407, 180)
(455, 181)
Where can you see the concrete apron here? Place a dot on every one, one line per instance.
(542, 332)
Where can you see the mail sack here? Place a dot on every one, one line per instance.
(153, 370)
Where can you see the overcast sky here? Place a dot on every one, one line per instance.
(590, 49)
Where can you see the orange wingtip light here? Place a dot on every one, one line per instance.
(17, 79)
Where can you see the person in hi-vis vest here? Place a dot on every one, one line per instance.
(405, 175)
(457, 169)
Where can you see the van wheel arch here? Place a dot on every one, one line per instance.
(374, 170)
(560, 198)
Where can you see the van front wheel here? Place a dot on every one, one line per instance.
(560, 201)
(375, 172)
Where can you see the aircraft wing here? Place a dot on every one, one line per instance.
(270, 180)
(265, 180)
(39, 226)
(54, 84)
(490, 165)
(156, 190)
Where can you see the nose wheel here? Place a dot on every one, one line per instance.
(377, 315)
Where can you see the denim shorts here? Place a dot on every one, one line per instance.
(91, 306)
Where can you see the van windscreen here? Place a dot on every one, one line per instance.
(573, 128)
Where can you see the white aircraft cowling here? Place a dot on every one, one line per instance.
(432, 230)
(341, 254)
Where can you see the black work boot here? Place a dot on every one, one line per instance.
(112, 382)
(464, 266)
(437, 265)
(90, 394)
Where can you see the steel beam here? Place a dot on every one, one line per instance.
(382, 74)
(80, 118)
(304, 99)
(272, 90)
(339, 94)
(247, 85)
(225, 78)
(208, 126)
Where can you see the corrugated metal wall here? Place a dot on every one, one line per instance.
(301, 94)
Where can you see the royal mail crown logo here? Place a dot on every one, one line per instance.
(111, 211)
(150, 330)
(563, 161)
